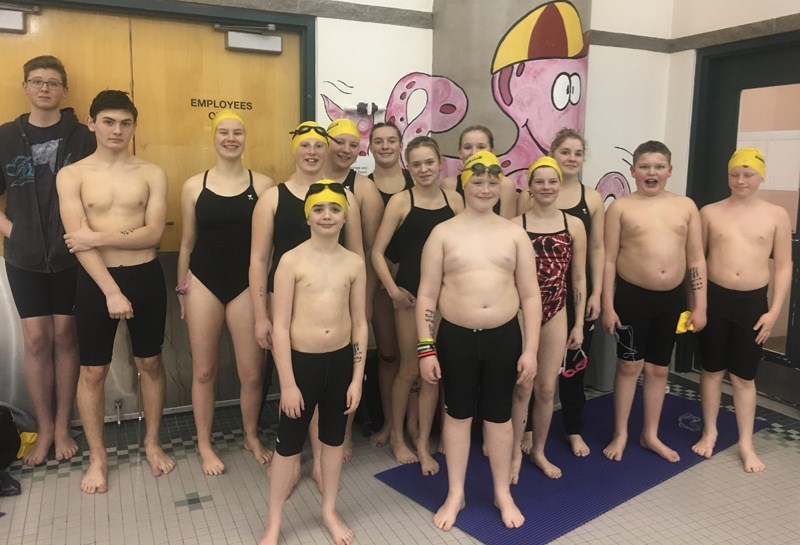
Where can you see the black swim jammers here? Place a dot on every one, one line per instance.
(145, 288)
(479, 364)
(323, 380)
(42, 294)
(648, 319)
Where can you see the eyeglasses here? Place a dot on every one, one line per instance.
(479, 168)
(579, 362)
(39, 83)
(305, 129)
(315, 188)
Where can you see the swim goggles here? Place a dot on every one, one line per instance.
(317, 187)
(305, 129)
(479, 168)
(576, 364)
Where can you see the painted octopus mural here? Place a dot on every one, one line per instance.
(538, 78)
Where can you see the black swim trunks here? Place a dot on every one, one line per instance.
(729, 340)
(144, 287)
(42, 294)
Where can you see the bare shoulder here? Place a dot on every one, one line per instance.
(262, 182)
(353, 261)
(574, 225)
(778, 214)
(454, 199)
(712, 209)
(449, 183)
(193, 186)
(593, 198)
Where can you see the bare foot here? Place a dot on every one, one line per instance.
(403, 454)
(95, 480)
(380, 437)
(261, 454)
(211, 463)
(160, 463)
(347, 450)
(705, 446)
(551, 471)
(38, 452)
(509, 512)
(616, 447)
(445, 517)
(527, 442)
(578, 445)
(66, 447)
(429, 465)
(271, 536)
(752, 463)
(660, 448)
(516, 464)
(340, 532)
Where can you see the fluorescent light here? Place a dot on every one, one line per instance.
(246, 41)
(12, 21)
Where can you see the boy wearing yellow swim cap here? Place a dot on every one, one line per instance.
(741, 232)
(319, 341)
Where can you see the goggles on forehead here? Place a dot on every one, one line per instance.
(305, 129)
(479, 168)
(315, 188)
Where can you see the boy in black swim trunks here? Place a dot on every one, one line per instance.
(740, 233)
(652, 239)
(319, 338)
(41, 271)
(114, 207)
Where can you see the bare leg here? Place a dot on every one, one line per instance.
(412, 411)
(331, 474)
(250, 366)
(552, 343)
(283, 478)
(744, 399)
(388, 361)
(456, 434)
(624, 389)
(710, 393)
(316, 449)
(655, 384)
(428, 401)
(67, 367)
(91, 399)
(499, 439)
(347, 453)
(204, 316)
(519, 419)
(409, 369)
(153, 381)
(37, 335)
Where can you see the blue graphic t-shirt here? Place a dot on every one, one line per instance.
(44, 147)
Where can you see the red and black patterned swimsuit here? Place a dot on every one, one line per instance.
(553, 256)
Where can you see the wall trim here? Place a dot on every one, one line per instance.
(759, 29)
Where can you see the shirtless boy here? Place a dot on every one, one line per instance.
(740, 234)
(478, 269)
(319, 339)
(652, 238)
(41, 271)
(114, 206)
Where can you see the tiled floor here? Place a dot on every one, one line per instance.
(713, 502)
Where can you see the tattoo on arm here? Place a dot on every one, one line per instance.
(126, 232)
(578, 296)
(358, 355)
(695, 281)
(429, 319)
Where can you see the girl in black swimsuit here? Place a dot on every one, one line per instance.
(409, 218)
(213, 262)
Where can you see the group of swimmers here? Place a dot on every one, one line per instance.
(472, 289)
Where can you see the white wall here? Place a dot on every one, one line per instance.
(626, 105)
(696, 16)
(638, 17)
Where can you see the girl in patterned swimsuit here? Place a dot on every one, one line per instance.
(558, 239)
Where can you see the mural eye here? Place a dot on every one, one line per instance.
(561, 91)
(575, 89)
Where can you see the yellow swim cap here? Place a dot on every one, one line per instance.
(343, 126)
(478, 163)
(325, 191)
(222, 116)
(306, 130)
(545, 161)
(748, 157)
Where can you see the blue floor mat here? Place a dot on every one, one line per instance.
(589, 486)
